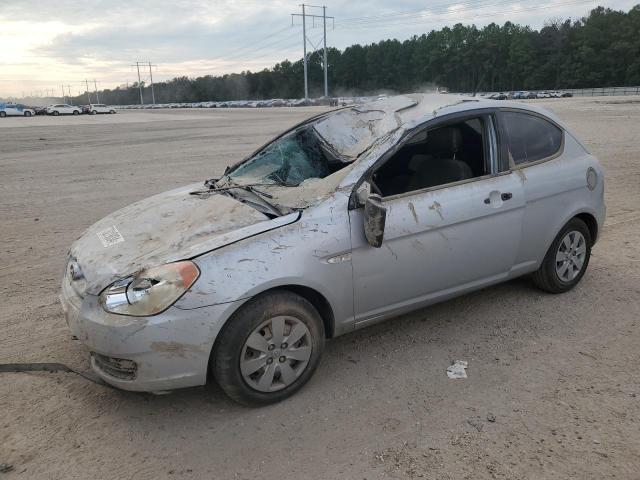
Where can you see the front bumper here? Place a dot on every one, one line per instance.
(169, 351)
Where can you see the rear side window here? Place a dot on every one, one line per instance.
(530, 138)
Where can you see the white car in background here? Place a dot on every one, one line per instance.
(15, 110)
(63, 109)
(96, 108)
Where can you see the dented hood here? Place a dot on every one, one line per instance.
(171, 226)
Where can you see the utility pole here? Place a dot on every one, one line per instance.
(324, 17)
(63, 100)
(95, 86)
(304, 42)
(86, 82)
(153, 95)
(137, 65)
(69, 90)
(324, 38)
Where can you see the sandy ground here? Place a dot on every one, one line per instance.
(553, 389)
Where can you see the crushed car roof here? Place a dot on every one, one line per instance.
(352, 130)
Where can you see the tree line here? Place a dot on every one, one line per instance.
(599, 50)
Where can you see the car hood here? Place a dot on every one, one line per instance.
(171, 226)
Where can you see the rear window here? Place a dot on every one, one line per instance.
(530, 138)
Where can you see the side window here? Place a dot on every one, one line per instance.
(529, 137)
(435, 157)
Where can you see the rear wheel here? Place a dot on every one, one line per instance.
(93, 112)
(566, 260)
(269, 349)
(112, 111)
(56, 113)
(3, 114)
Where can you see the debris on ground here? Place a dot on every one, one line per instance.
(476, 423)
(457, 370)
(5, 467)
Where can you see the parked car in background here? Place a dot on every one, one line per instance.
(543, 95)
(96, 108)
(15, 110)
(566, 95)
(244, 276)
(497, 96)
(40, 110)
(63, 109)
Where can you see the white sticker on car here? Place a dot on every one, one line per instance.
(110, 236)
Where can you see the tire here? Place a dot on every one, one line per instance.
(548, 277)
(56, 113)
(93, 112)
(76, 112)
(3, 114)
(112, 112)
(27, 114)
(232, 355)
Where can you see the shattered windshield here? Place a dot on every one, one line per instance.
(288, 161)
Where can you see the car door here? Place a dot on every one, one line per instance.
(553, 169)
(438, 241)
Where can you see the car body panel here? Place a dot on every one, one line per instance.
(438, 243)
(164, 362)
(275, 259)
(451, 233)
(164, 228)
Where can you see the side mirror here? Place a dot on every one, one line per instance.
(363, 192)
(375, 216)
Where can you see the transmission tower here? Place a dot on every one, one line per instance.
(153, 96)
(324, 18)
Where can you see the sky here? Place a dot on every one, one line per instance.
(45, 44)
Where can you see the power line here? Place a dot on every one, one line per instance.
(430, 18)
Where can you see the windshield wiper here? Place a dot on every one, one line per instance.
(213, 188)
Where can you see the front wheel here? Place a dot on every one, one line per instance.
(76, 112)
(27, 114)
(3, 114)
(269, 348)
(566, 260)
(56, 113)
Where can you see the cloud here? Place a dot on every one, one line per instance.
(67, 40)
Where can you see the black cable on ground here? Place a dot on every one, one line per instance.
(50, 367)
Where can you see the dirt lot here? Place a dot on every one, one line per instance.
(554, 383)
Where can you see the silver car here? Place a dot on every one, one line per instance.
(349, 218)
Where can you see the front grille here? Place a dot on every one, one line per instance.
(116, 367)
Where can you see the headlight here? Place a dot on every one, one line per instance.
(151, 291)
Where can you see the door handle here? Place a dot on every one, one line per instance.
(493, 197)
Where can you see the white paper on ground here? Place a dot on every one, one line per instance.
(457, 370)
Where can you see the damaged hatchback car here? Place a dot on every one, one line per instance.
(350, 218)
